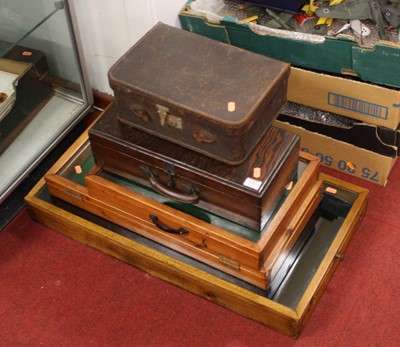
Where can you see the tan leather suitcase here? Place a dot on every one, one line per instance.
(210, 97)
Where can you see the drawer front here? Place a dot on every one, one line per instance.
(174, 225)
(192, 237)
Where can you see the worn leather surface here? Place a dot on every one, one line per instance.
(201, 74)
(194, 79)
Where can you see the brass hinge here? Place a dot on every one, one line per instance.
(168, 119)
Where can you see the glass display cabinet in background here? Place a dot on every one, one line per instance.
(43, 89)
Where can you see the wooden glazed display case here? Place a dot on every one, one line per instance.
(44, 92)
(298, 282)
(239, 251)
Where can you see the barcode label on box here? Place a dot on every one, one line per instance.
(359, 106)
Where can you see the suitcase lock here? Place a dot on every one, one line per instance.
(168, 119)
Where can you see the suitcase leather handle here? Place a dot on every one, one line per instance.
(173, 194)
(166, 228)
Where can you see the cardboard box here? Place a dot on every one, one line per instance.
(364, 135)
(362, 101)
(342, 156)
(367, 91)
(341, 54)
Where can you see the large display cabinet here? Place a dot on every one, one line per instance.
(43, 89)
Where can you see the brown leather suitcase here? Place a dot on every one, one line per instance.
(205, 95)
(232, 191)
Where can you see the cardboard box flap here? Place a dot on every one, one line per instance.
(342, 156)
(363, 135)
(362, 101)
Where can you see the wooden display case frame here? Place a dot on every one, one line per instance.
(253, 261)
(240, 299)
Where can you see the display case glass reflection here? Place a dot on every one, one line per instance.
(42, 86)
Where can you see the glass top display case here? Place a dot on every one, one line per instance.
(43, 88)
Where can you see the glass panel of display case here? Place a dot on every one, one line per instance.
(43, 91)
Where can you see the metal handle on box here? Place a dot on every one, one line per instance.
(173, 194)
(166, 228)
(169, 191)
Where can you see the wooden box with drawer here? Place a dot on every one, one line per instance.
(231, 191)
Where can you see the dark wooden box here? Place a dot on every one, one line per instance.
(31, 92)
(231, 191)
(213, 98)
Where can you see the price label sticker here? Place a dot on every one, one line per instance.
(252, 183)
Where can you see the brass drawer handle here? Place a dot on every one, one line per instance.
(166, 228)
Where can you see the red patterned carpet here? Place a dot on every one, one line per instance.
(57, 292)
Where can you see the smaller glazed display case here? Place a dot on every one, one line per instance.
(43, 89)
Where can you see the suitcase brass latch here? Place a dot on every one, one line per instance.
(168, 119)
